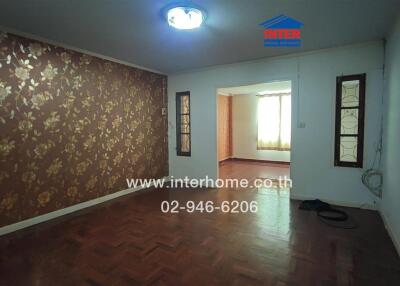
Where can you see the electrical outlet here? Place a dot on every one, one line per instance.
(164, 111)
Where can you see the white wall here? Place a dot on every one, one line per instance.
(313, 101)
(244, 129)
(390, 205)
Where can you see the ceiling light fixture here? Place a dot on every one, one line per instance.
(185, 17)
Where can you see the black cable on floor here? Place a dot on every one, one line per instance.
(328, 215)
(351, 223)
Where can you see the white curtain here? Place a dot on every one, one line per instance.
(274, 122)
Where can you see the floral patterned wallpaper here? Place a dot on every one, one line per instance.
(73, 127)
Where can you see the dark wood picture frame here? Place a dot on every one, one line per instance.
(179, 133)
(361, 116)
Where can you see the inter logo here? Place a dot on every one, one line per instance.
(282, 31)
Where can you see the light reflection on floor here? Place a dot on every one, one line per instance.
(273, 216)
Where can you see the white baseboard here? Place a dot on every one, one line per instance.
(392, 234)
(334, 202)
(45, 217)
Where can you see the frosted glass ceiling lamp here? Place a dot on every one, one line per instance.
(184, 17)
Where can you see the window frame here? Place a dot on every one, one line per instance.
(361, 120)
(279, 95)
(179, 132)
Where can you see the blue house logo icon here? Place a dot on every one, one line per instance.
(282, 31)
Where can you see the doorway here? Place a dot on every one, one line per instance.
(254, 131)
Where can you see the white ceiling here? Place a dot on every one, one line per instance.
(135, 31)
(264, 88)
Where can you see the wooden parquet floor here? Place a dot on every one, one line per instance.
(129, 241)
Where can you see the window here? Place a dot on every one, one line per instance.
(349, 129)
(274, 122)
(183, 146)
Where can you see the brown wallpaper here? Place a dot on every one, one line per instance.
(224, 127)
(73, 127)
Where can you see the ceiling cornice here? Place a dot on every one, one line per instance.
(68, 47)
